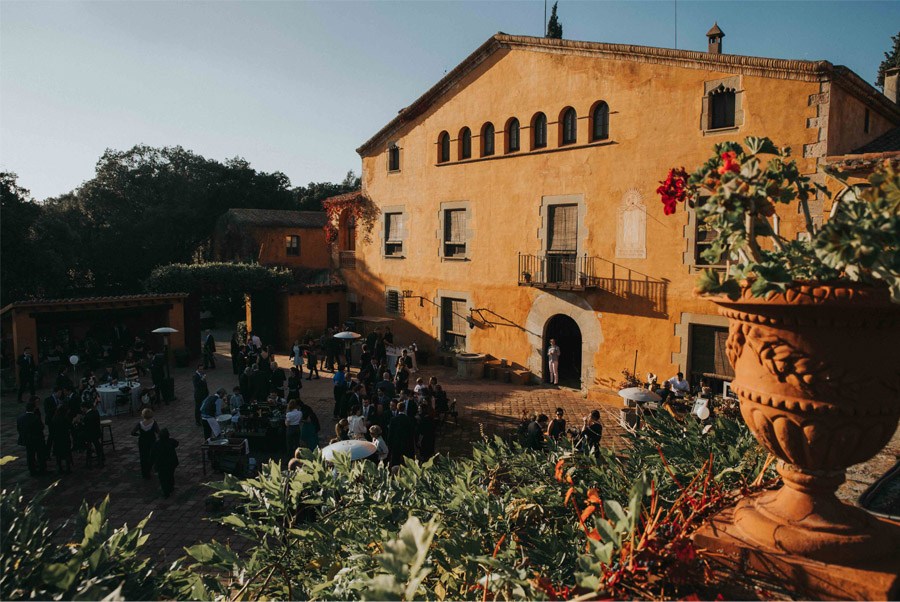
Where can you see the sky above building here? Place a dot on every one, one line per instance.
(296, 87)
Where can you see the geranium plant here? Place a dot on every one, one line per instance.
(735, 194)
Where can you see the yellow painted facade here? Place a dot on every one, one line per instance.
(641, 301)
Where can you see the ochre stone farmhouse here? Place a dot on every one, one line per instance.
(517, 198)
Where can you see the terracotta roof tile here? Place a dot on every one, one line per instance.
(94, 300)
(887, 142)
(276, 217)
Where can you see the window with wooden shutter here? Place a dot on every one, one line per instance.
(453, 323)
(708, 356)
(465, 143)
(722, 105)
(393, 302)
(443, 147)
(393, 234)
(539, 131)
(563, 229)
(394, 158)
(487, 140)
(454, 233)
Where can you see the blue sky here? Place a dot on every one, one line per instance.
(297, 86)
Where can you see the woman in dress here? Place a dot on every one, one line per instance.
(297, 356)
(557, 427)
(357, 424)
(146, 430)
(309, 427)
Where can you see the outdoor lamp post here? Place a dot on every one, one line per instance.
(165, 331)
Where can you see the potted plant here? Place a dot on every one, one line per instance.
(811, 329)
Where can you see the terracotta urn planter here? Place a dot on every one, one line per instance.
(817, 371)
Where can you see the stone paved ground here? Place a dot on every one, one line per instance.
(180, 520)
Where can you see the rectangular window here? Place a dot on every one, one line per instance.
(292, 245)
(393, 303)
(394, 158)
(722, 109)
(453, 323)
(703, 239)
(562, 244)
(454, 233)
(393, 239)
(708, 357)
(866, 122)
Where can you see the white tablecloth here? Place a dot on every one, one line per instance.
(108, 394)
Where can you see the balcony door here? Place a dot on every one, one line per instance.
(562, 244)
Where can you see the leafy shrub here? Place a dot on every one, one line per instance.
(33, 566)
(216, 278)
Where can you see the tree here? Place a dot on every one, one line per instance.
(310, 197)
(891, 59)
(554, 27)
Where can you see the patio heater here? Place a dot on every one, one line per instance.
(168, 384)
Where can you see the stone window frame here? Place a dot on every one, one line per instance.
(689, 258)
(563, 199)
(470, 231)
(683, 334)
(404, 230)
(437, 321)
(391, 147)
(388, 290)
(733, 82)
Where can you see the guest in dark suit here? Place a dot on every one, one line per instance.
(61, 439)
(166, 459)
(425, 433)
(201, 392)
(401, 437)
(209, 351)
(52, 403)
(27, 368)
(31, 435)
(92, 434)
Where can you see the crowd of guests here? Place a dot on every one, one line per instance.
(377, 404)
(68, 423)
(536, 430)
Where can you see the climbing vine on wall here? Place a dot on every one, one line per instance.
(358, 205)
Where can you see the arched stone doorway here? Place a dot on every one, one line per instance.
(565, 331)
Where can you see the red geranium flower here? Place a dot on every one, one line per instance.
(673, 189)
(729, 163)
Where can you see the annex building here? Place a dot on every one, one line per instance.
(517, 198)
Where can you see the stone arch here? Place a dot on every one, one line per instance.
(547, 305)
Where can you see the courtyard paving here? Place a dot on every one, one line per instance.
(181, 520)
(484, 407)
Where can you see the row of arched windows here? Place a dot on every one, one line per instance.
(598, 129)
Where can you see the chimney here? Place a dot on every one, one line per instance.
(715, 36)
(890, 84)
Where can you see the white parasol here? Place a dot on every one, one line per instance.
(638, 394)
(347, 335)
(356, 448)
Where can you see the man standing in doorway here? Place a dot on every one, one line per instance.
(553, 361)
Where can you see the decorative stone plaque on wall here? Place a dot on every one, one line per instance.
(631, 231)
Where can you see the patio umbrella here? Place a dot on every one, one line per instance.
(347, 335)
(356, 448)
(638, 394)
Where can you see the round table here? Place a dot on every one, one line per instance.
(108, 394)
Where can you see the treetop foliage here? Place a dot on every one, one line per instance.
(554, 27)
(891, 59)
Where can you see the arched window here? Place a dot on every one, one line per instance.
(600, 121)
(443, 147)
(465, 143)
(512, 135)
(487, 139)
(539, 131)
(721, 105)
(569, 126)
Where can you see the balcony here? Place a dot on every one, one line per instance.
(348, 260)
(570, 272)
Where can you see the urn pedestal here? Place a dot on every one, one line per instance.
(817, 372)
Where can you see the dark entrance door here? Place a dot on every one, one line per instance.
(567, 335)
(333, 314)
